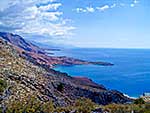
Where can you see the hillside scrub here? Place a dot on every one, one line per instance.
(3, 85)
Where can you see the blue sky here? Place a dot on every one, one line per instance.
(82, 23)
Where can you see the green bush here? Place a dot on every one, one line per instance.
(117, 108)
(30, 105)
(3, 85)
(60, 87)
(139, 101)
(84, 105)
(63, 109)
(127, 108)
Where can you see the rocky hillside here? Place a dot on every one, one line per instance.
(19, 42)
(31, 51)
(20, 78)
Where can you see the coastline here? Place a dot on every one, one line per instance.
(130, 96)
(36, 56)
(131, 67)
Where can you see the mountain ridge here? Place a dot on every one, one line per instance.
(31, 51)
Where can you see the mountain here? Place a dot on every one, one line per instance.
(51, 45)
(18, 41)
(39, 55)
(21, 79)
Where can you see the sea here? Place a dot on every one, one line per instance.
(130, 73)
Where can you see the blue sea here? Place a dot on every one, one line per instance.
(130, 73)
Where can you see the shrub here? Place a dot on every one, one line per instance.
(3, 85)
(117, 108)
(139, 101)
(67, 109)
(84, 105)
(48, 107)
(60, 87)
(30, 105)
(127, 108)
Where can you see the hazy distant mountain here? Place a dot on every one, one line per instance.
(52, 45)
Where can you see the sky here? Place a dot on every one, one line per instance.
(80, 23)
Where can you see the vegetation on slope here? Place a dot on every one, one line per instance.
(82, 105)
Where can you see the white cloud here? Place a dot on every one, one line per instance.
(80, 10)
(51, 16)
(132, 5)
(54, 6)
(1, 23)
(103, 8)
(47, 30)
(85, 10)
(135, 1)
(30, 17)
(90, 9)
(112, 6)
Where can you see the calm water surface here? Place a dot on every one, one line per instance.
(130, 74)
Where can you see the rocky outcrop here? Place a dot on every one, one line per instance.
(25, 78)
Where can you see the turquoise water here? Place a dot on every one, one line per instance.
(130, 73)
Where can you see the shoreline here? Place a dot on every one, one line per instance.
(86, 77)
(130, 96)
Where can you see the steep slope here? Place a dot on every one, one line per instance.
(31, 51)
(18, 41)
(24, 79)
